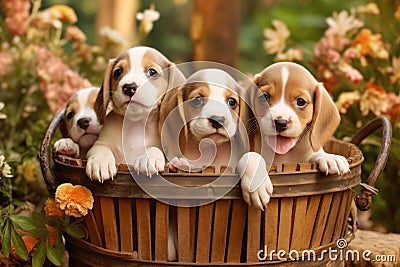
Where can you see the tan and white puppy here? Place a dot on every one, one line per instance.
(201, 122)
(296, 116)
(133, 82)
(80, 125)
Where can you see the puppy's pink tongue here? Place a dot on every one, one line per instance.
(281, 144)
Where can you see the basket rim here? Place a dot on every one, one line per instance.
(302, 179)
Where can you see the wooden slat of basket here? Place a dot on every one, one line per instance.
(125, 224)
(271, 224)
(289, 167)
(285, 223)
(204, 233)
(161, 231)
(185, 253)
(342, 215)
(98, 217)
(332, 218)
(94, 233)
(143, 228)
(253, 233)
(348, 209)
(220, 231)
(320, 223)
(109, 223)
(312, 211)
(236, 233)
(299, 224)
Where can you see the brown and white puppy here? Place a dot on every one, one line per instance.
(201, 121)
(296, 116)
(133, 82)
(80, 125)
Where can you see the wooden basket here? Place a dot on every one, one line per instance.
(308, 210)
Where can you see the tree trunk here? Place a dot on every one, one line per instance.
(215, 31)
(121, 16)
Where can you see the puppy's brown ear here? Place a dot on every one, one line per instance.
(175, 76)
(244, 119)
(326, 118)
(104, 95)
(63, 128)
(171, 121)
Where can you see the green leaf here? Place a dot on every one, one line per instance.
(60, 245)
(39, 218)
(40, 232)
(53, 256)
(23, 222)
(19, 245)
(6, 243)
(74, 231)
(39, 257)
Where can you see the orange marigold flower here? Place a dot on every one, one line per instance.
(75, 200)
(362, 41)
(52, 209)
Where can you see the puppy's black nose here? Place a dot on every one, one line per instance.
(281, 125)
(83, 123)
(216, 121)
(129, 89)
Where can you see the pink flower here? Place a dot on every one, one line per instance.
(58, 81)
(17, 15)
(350, 73)
(5, 62)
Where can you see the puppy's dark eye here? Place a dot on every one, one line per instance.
(117, 73)
(300, 102)
(197, 101)
(232, 102)
(152, 73)
(70, 115)
(264, 98)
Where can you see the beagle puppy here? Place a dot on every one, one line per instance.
(80, 125)
(133, 83)
(201, 122)
(295, 116)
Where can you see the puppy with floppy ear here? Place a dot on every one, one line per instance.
(295, 117)
(133, 83)
(201, 122)
(80, 125)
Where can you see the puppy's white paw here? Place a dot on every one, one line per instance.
(177, 162)
(101, 167)
(332, 164)
(150, 163)
(255, 182)
(66, 146)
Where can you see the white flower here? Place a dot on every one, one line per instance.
(147, 19)
(6, 171)
(5, 168)
(290, 55)
(2, 115)
(276, 39)
(343, 22)
(112, 36)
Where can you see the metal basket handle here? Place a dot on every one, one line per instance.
(45, 152)
(364, 199)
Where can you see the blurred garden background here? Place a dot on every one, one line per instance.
(49, 49)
